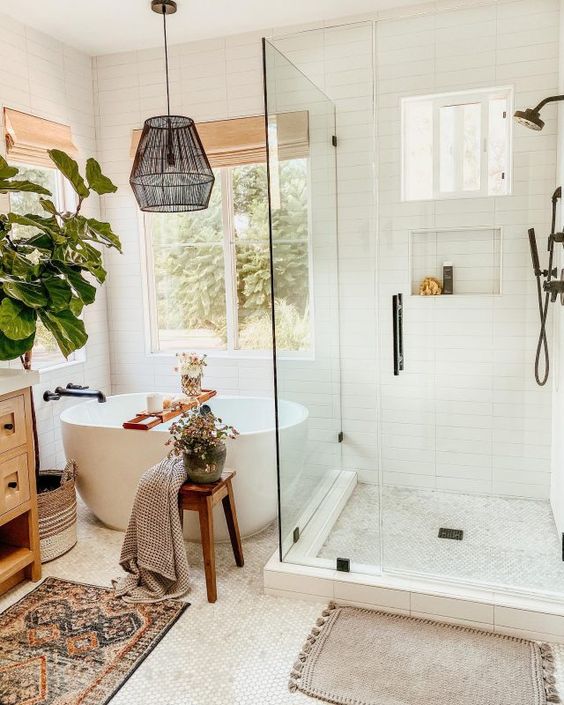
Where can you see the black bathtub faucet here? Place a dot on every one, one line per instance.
(74, 390)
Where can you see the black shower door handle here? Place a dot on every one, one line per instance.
(397, 320)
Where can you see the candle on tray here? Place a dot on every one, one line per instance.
(154, 403)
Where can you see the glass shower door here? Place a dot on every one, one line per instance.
(300, 122)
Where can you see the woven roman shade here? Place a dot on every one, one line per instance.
(242, 140)
(29, 137)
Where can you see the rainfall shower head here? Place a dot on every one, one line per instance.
(530, 117)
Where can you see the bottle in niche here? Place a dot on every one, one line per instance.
(448, 278)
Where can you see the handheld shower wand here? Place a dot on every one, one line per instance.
(550, 287)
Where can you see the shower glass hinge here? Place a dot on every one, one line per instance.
(334, 140)
(563, 547)
(341, 437)
(296, 534)
(504, 114)
(344, 565)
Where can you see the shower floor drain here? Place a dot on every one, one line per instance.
(455, 534)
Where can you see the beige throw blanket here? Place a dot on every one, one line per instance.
(153, 552)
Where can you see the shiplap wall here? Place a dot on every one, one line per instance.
(43, 77)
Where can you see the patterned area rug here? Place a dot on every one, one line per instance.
(71, 643)
(361, 657)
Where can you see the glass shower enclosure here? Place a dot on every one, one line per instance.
(302, 176)
(438, 468)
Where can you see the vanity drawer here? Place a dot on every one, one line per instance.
(14, 482)
(12, 423)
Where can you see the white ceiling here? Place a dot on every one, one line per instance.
(108, 26)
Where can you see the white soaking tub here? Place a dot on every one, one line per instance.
(111, 459)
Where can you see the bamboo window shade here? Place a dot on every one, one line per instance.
(241, 141)
(29, 137)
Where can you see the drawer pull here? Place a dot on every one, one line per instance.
(12, 485)
(9, 426)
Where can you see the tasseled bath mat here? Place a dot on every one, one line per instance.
(361, 657)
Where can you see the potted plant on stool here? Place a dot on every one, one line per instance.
(48, 276)
(200, 439)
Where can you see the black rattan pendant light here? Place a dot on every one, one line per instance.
(171, 172)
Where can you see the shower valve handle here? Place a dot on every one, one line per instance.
(554, 288)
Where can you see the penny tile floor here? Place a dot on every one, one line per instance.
(238, 651)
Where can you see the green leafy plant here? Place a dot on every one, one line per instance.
(48, 275)
(198, 434)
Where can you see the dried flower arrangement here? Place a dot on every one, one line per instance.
(190, 364)
(191, 368)
(198, 434)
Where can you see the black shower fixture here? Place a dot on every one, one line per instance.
(530, 117)
(553, 287)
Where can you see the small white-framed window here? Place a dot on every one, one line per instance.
(209, 271)
(46, 352)
(456, 145)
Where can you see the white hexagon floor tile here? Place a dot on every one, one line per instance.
(238, 651)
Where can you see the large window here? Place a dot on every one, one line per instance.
(209, 271)
(46, 352)
(456, 145)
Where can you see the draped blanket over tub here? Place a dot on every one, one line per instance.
(153, 552)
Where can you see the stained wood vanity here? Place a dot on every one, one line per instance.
(19, 534)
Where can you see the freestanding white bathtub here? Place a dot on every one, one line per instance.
(111, 459)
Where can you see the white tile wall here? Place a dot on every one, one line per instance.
(211, 79)
(557, 464)
(466, 414)
(46, 78)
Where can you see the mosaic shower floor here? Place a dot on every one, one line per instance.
(507, 541)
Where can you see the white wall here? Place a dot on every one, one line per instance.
(340, 61)
(557, 475)
(466, 415)
(209, 80)
(43, 77)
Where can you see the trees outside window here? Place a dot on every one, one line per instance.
(210, 270)
(457, 145)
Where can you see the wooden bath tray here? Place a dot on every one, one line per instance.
(144, 421)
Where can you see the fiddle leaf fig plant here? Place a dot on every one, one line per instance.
(48, 275)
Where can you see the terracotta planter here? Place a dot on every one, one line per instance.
(204, 471)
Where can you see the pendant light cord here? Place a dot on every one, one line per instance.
(166, 61)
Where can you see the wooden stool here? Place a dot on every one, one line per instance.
(202, 499)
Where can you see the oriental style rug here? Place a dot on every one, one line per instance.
(72, 643)
(362, 657)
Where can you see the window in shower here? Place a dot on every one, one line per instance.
(456, 145)
(209, 271)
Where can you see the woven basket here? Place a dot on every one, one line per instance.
(57, 514)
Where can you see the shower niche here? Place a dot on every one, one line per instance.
(473, 253)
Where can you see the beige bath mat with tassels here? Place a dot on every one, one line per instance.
(362, 657)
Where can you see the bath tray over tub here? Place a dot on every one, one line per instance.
(145, 421)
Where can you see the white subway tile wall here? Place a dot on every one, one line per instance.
(46, 78)
(466, 415)
(210, 79)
